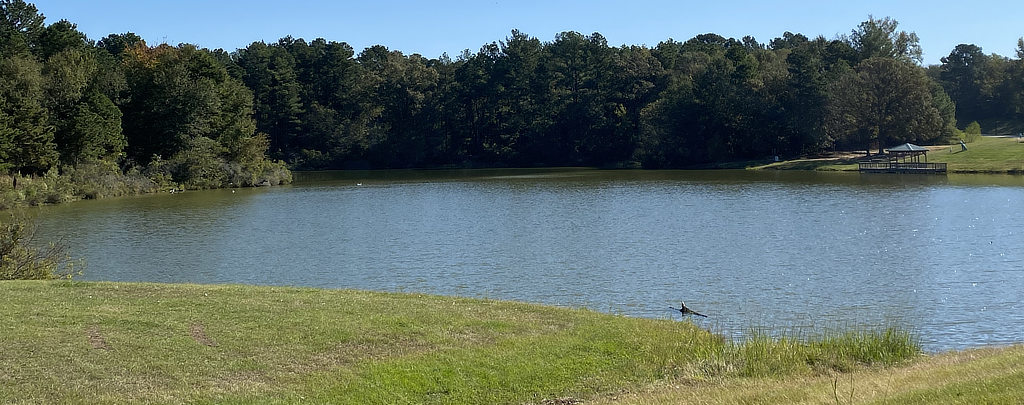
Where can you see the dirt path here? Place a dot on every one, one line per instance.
(198, 332)
(96, 339)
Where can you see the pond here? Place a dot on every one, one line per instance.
(785, 251)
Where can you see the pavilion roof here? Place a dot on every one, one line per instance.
(908, 147)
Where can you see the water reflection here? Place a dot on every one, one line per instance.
(748, 248)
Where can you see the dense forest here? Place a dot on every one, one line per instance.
(80, 118)
(211, 118)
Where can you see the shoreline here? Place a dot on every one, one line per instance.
(238, 344)
(988, 155)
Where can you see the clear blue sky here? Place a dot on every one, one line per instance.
(433, 27)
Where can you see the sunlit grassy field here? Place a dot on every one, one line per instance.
(980, 376)
(75, 342)
(987, 154)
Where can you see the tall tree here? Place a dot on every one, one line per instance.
(270, 74)
(335, 102)
(516, 90)
(179, 94)
(1014, 84)
(87, 124)
(21, 24)
(28, 144)
(578, 71)
(403, 87)
(60, 36)
(885, 101)
(880, 39)
(804, 98)
(117, 44)
(962, 74)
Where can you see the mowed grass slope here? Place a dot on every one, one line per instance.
(67, 342)
(71, 342)
(979, 376)
(985, 155)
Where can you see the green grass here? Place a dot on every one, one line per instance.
(761, 355)
(986, 155)
(979, 376)
(847, 164)
(73, 342)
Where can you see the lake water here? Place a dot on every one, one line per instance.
(786, 251)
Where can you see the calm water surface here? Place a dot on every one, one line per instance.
(781, 250)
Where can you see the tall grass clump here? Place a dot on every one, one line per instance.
(886, 346)
(762, 355)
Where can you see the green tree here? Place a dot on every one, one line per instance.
(514, 86)
(96, 123)
(60, 36)
(973, 128)
(884, 101)
(880, 39)
(637, 80)
(117, 44)
(87, 124)
(962, 75)
(21, 24)
(577, 71)
(336, 103)
(805, 95)
(28, 145)
(1014, 85)
(947, 112)
(404, 88)
(473, 94)
(181, 93)
(270, 75)
(7, 135)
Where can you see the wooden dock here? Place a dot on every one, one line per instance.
(894, 167)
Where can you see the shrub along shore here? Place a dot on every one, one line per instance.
(87, 342)
(103, 179)
(984, 155)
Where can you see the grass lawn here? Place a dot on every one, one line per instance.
(84, 342)
(986, 155)
(65, 342)
(980, 376)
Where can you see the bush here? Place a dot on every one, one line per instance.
(20, 260)
(972, 132)
(100, 178)
(50, 188)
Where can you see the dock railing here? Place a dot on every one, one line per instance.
(893, 167)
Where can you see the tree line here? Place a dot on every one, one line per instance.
(114, 107)
(578, 101)
(182, 112)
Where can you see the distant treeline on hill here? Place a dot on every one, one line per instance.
(190, 115)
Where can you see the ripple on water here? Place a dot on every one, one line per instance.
(778, 250)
